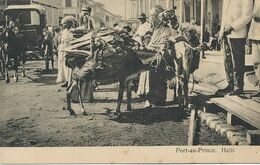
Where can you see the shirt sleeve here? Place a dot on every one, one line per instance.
(247, 13)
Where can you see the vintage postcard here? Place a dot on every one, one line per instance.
(129, 81)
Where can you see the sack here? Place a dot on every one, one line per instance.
(86, 72)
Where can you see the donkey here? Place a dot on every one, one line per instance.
(185, 50)
(121, 63)
(12, 52)
(124, 64)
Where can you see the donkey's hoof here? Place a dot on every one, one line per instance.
(84, 113)
(114, 116)
(73, 114)
(7, 81)
(23, 75)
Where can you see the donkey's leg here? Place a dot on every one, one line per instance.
(7, 79)
(52, 60)
(180, 93)
(186, 88)
(129, 95)
(23, 61)
(69, 92)
(120, 94)
(82, 109)
(23, 71)
(185, 92)
(16, 63)
(174, 92)
(6, 65)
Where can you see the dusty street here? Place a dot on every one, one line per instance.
(32, 114)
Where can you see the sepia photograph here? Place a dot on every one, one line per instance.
(128, 77)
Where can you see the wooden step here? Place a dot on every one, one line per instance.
(253, 137)
(248, 103)
(240, 110)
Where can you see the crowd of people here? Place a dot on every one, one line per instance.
(237, 15)
(152, 85)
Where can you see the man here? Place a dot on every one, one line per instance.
(85, 19)
(117, 27)
(254, 35)
(236, 16)
(144, 31)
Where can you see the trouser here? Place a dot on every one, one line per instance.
(256, 54)
(234, 61)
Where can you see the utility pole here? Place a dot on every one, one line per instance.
(181, 11)
(202, 25)
(125, 10)
(52, 14)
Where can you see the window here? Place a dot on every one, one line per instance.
(2, 2)
(68, 3)
(152, 4)
(133, 9)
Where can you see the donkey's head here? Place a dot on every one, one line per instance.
(168, 17)
(191, 33)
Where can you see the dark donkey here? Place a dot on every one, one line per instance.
(12, 51)
(120, 62)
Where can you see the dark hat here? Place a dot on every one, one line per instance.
(68, 20)
(86, 8)
(142, 16)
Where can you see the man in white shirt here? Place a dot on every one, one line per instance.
(235, 19)
(144, 31)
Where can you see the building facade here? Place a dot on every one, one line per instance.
(186, 11)
(212, 13)
(135, 7)
(101, 16)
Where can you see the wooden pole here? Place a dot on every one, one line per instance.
(181, 11)
(202, 25)
(192, 128)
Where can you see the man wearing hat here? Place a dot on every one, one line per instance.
(85, 19)
(144, 31)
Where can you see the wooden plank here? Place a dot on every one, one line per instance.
(239, 111)
(192, 128)
(87, 42)
(246, 102)
(87, 36)
(235, 109)
(253, 137)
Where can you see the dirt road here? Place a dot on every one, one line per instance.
(32, 115)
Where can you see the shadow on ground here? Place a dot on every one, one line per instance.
(44, 77)
(152, 115)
